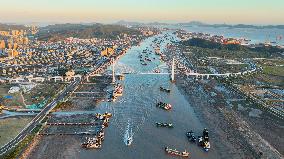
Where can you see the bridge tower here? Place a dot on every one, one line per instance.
(173, 71)
(113, 73)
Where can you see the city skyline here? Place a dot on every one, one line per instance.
(170, 11)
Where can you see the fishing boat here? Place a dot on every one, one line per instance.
(144, 63)
(165, 106)
(165, 90)
(169, 125)
(191, 137)
(118, 90)
(129, 141)
(94, 143)
(203, 143)
(103, 116)
(157, 71)
(176, 153)
(203, 140)
(206, 134)
(113, 98)
(148, 59)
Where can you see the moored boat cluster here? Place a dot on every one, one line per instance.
(117, 92)
(203, 140)
(96, 142)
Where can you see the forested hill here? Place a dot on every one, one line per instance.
(7, 27)
(62, 31)
(261, 50)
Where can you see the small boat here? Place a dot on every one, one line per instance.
(203, 140)
(206, 134)
(118, 93)
(121, 77)
(113, 98)
(165, 90)
(118, 90)
(157, 71)
(165, 106)
(148, 59)
(129, 141)
(94, 143)
(203, 143)
(169, 125)
(191, 137)
(177, 153)
(144, 64)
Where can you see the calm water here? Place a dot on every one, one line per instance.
(136, 110)
(255, 35)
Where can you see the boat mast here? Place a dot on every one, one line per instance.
(113, 74)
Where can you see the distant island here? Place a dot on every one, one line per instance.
(201, 24)
(197, 23)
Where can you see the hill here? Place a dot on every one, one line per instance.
(84, 31)
(7, 27)
(238, 50)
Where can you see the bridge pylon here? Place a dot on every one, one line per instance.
(173, 71)
(113, 72)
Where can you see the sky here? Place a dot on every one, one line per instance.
(171, 11)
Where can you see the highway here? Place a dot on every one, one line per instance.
(44, 112)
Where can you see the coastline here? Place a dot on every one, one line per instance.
(240, 139)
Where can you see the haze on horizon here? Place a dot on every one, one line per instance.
(108, 11)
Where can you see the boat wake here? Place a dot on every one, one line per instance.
(128, 136)
(140, 95)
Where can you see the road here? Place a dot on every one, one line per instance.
(28, 129)
(44, 112)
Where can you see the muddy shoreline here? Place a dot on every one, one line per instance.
(230, 133)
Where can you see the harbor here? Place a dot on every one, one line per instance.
(154, 104)
(132, 131)
(144, 79)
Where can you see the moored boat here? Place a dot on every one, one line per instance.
(169, 125)
(118, 90)
(144, 63)
(203, 143)
(165, 106)
(191, 137)
(203, 140)
(177, 153)
(165, 90)
(157, 71)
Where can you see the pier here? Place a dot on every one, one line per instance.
(73, 124)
